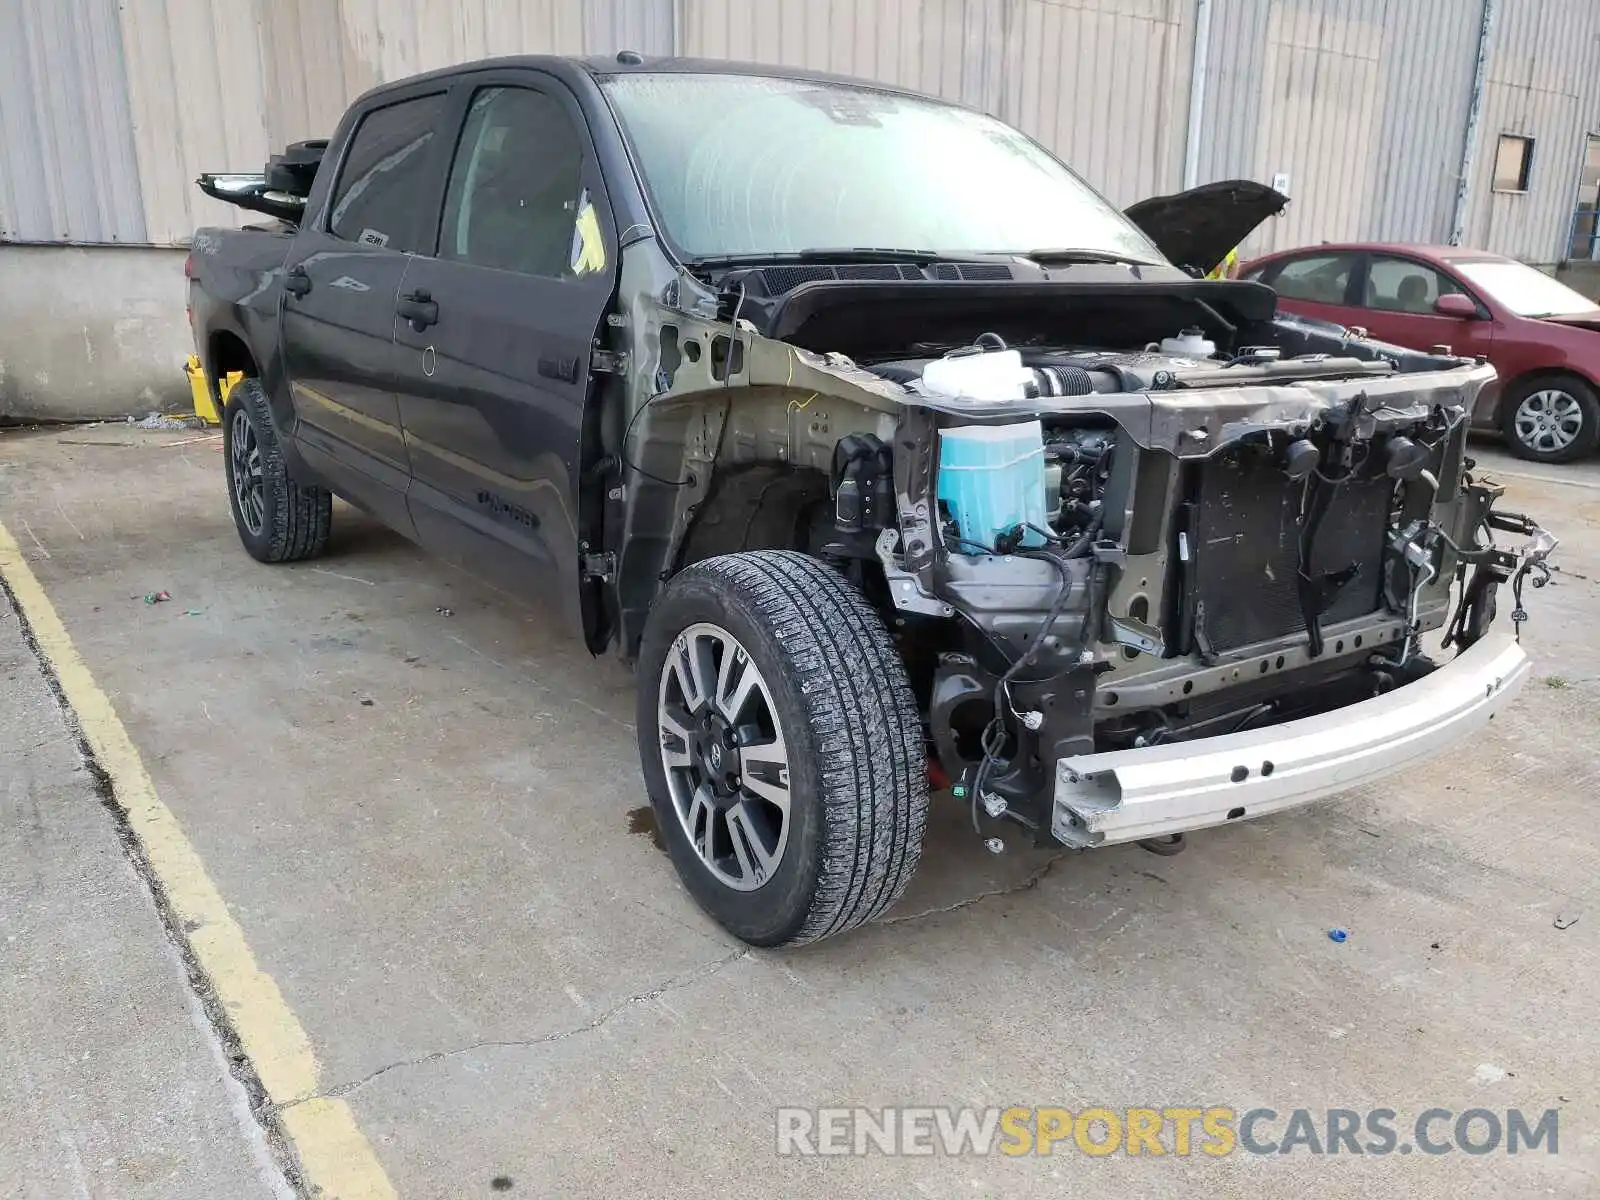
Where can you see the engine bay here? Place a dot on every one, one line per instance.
(1058, 373)
(1099, 508)
(1111, 590)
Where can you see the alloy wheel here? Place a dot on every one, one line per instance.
(724, 755)
(249, 485)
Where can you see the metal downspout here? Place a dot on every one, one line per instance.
(677, 28)
(1469, 149)
(1197, 92)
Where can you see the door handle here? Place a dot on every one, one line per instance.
(297, 282)
(419, 308)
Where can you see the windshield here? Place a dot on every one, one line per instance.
(739, 164)
(1524, 290)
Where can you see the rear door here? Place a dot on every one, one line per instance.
(342, 277)
(1398, 295)
(1318, 284)
(497, 323)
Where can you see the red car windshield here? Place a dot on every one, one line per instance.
(1524, 290)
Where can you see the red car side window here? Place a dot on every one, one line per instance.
(1316, 278)
(1405, 286)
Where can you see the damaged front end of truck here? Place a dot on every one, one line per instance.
(1218, 601)
(1153, 556)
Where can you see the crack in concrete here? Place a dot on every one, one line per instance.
(702, 972)
(1026, 885)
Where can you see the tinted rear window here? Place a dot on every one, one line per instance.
(384, 186)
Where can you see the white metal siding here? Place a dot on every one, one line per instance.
(1544, 83)
(108, 109)
(1362, 103)
(1321, 101)
(1103, 83)
(93, 152)
(197, 105)
(315, 68)
(67, 166)
(1429, 50)
(642, 25)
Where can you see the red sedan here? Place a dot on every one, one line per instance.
(1540, 335)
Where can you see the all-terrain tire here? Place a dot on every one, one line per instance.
(1543, 430)
(858, 793)
(294, 517)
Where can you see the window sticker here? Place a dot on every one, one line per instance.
(588, 247)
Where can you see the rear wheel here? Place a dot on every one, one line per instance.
(781, 747)
(279, 518)
(1554, 418)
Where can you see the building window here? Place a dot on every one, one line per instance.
(1513, 160)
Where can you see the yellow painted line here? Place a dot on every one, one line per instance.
(334, 1154)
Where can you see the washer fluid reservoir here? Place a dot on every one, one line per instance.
(991, 479)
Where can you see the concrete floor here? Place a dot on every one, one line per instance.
(110, 1079)
(422, 824)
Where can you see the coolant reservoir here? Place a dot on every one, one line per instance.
(991, 479)
(992, 375)
(1191, 343)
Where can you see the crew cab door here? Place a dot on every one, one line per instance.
(341, 278)
(497, 320)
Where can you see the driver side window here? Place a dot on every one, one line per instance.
(515, 198)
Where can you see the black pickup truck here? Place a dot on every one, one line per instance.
(891, 455)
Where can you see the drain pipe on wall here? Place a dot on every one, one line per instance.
(1469, 149)
(1197, 92)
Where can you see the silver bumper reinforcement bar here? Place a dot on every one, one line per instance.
(1157, 791)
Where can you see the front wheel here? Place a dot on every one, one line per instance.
(781, 747)
(1555, 418)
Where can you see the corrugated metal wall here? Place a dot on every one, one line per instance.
(1544, 82)
(324, 53)
(1102, 82)
(1362, 103)
(109, 110)
(194, 109)
(67, 166)
(1106, 85)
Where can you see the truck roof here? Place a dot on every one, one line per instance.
(627, 62)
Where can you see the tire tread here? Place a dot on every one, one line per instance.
(299, 515)
(865, 729)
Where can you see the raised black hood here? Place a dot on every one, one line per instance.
(1197, 228)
